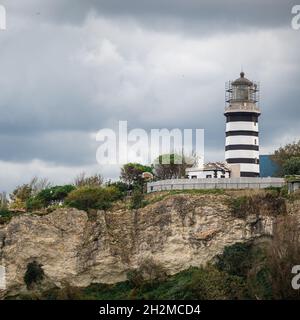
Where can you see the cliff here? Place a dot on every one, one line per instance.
(79, 249)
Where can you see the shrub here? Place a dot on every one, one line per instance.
(5, 216)
(149, 272)
(34, 203)
(269, 203)
(48, 197)
(34, 274)
(121, 187)
(236, 259)
(82, 180)
(292, 166)
(87, 197)
(207, 284)
(66, 293)
(137, 199)
(22, 193)
(54, 194)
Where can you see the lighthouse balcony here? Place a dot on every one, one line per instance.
(246, 107)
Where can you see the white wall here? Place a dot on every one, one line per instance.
(232, 183)
(241, 140)
(249, 167)
(241, 125)
(241, 154)
(203, 174)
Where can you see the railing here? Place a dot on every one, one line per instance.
(215, 183)
(242, 108)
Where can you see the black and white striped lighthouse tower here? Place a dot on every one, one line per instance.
(242, 112)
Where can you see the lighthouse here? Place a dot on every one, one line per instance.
(242, 135)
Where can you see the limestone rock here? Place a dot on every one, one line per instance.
(177, 232)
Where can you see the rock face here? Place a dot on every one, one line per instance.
(176, 232)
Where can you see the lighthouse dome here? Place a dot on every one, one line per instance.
(242, 81)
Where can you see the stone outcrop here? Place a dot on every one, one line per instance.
(72, 247)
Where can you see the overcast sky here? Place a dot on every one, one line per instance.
(71, 67)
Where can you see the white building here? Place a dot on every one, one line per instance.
(209, 170)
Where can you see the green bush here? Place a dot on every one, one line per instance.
(87, 197)
(6, 215)
(48, 197)
(54, 194)
(66, 293)
(247, 262)
(149, 272)
(137, 199)
(291, 166)
(34, 203)
(121, 187)
(238, 206)
(236, 259)
(34, 274)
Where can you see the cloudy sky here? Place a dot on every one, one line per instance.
(71, 67)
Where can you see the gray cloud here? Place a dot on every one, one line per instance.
(70, 68)
(215, 13)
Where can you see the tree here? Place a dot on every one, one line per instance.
(48, 196)
(131, 173)
(91, 197)
(82, 180)
(172, 166)
(23, 193)
(285, 153)
(291, 166)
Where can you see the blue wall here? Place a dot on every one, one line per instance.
(267, 167)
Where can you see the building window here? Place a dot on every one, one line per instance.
(222, 176)
(255, 141)
(194, 177)
(208, 176)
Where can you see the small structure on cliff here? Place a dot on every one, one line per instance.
(293, 183)
(210, 170)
